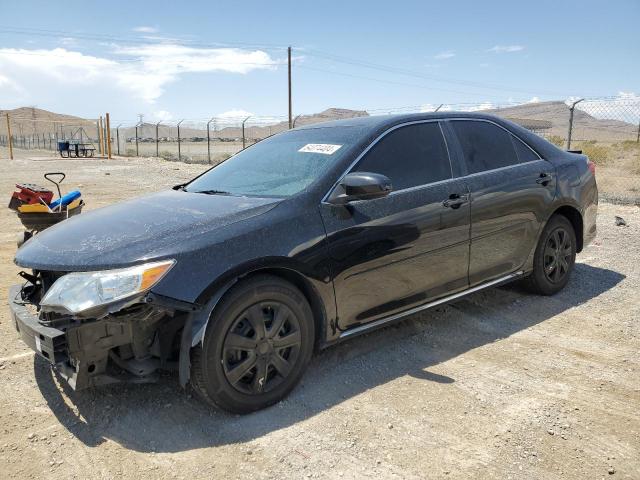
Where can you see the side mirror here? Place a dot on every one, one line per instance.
(360, 186)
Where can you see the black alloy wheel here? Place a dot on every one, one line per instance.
(261, 347)
(256, 346)
(554, 257)
(558, 255)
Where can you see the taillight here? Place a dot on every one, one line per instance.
(592, 167)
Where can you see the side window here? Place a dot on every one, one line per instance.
(410, 156)
(485, 145)
(525, 154)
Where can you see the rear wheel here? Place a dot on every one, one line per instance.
(554, 257)
(256, 347)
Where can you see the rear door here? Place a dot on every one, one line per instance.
(511, 189)
(399, 251)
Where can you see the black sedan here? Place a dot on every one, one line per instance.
(305, 239)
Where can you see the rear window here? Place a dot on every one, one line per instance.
(525, 154)
(485, 146)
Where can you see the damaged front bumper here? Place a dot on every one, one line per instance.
(129, 345)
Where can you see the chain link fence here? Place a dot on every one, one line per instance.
(605, 129)
(193, 141)
(35, 132)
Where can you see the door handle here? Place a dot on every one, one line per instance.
(455, 200)
(544, 179)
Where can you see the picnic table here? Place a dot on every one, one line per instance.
(76, 149)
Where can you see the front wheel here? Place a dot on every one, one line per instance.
(256, 347)
(554, 257)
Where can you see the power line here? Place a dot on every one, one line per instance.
(402, 71)
(391, 82)
(132, 40)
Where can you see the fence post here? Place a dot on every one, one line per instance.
(638, 137)
(118, 138)
(209, 140)
(179, 151)
(10, 138)
(571, 109)
(137, 140)
(157, 140)
(99, 129)
(108, 137)
(243, 137)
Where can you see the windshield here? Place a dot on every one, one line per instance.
(279, 166)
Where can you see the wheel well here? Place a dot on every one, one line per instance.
(307, 290)
(574, 216)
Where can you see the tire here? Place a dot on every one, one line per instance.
(244, 364)
(554, 257)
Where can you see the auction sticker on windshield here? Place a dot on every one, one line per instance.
(324, 148)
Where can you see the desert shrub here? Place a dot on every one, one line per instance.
(628, 145)
(219, 158)
(557, 140)
(170, 156)
(598, 154)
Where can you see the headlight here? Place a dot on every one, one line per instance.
(79, 291)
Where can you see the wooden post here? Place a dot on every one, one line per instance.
(108, 137)
(10, 138)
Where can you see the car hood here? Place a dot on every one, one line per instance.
(160, 225)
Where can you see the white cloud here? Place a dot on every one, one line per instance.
(506, 48)
(430, 107)
(172, 58)
(481, 106)
(145, 29)
(143, 71)
(235, 114)
(68, 41)
(59, 62)
(161, 116)
(445, 55)
(6, 82)
(534, 100)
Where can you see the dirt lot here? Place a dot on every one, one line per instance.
(499, 385)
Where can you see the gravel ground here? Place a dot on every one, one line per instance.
(501, 384)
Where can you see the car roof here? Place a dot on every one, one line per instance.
(372, 126)
(385, 121)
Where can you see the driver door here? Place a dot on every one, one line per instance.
(396, 252)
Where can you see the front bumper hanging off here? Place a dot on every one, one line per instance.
(125, 346)
(49, 343)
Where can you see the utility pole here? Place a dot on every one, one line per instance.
(10, 138)
(290, 106)
(108, 137)
(571, 109)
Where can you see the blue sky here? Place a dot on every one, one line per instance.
(173, 60)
